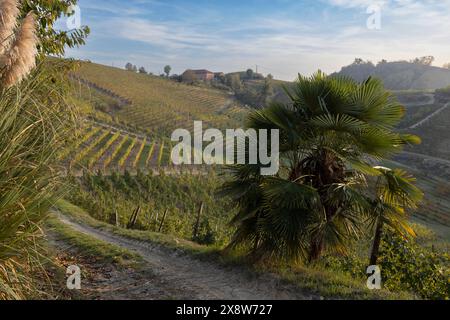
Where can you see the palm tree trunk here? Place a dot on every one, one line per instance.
(376, 243)
(316, 249)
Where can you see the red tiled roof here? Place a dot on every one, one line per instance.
(201, 71)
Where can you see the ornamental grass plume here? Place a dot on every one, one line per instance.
(20, 58)
(18, 44)
(9, 13)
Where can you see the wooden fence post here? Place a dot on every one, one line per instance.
(130, 220)
(117, 217)
(197, 222)
(162, 221)
(138, 210)
(133, 218)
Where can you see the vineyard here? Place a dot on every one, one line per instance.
(184, 205)
(108, 149)
(154, 105)
(435, 207)
(132, 116)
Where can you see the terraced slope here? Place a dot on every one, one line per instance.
(107, 149)
(435, 134)
(435, 207)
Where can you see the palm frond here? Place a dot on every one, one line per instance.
(397, 188)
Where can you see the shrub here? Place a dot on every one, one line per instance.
(407, 266)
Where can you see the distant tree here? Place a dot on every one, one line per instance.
(249, 73)
(167, 70)
(426, 60)
(266, 91)
(270, 76)
(134, 69)
(142, 70)
(384, 61)
(129, 66)
(358, 61)
(188, 76)
(234, 81)
(221, 78)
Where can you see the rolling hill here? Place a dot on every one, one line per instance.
(400, 75)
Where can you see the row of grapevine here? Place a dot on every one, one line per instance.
(84, 152)
(87, 134)
(139, 153)
(115, 152)
(103, 149)
(127, 153)
(150, 154)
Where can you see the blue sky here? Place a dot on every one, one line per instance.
(282, 37)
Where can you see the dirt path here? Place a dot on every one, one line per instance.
(427, 157)
(429, 117)
(188, 278)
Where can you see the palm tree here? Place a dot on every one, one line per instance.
(395, 191)
(331, 133)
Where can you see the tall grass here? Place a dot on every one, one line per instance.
(34, 121)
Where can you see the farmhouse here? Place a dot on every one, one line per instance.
(201, 75)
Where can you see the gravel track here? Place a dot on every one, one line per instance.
(189, 278)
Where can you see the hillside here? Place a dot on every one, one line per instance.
(400, 75)
(427, 115)
(129, 118)
(154, 105)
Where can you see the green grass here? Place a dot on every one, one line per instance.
(89, 246)
(337, 285)
(81, 216)
(324, 283)
(36, 122)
